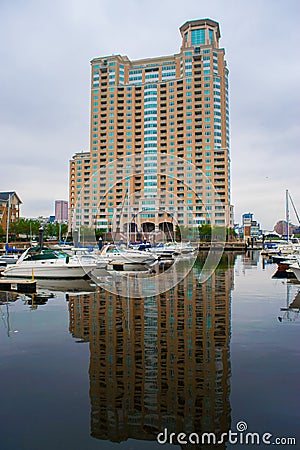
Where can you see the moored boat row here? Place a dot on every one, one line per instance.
(286, 257)
(44, 262)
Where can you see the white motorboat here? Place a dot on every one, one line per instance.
(174, 248)
(182, 248)
(46, 263)
(277, 248)
(285, 259)
(118, 253)
(159, 250)
(8, 258)
(86, 256)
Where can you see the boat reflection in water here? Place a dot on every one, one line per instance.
(158, 362)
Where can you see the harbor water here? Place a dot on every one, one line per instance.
(83, 368)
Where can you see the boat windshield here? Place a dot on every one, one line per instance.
(37, 253)
(114, 249)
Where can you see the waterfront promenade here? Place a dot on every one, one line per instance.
(202, 245)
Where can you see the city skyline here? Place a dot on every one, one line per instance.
(48, 49)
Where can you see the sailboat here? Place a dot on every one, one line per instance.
(289, 247)
(288, 199)
(294, 254)
(11, 255)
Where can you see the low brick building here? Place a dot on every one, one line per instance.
(9, 207)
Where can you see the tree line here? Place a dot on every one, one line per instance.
(25, 229)
(205, 232)
(28, 228)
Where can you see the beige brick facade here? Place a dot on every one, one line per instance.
(160, 136)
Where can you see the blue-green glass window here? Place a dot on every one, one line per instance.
(198, 37)
(211, 36)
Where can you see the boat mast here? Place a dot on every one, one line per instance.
(59, 232)
(8, 219)
(128, 213)
(293, 205)
(287, 215)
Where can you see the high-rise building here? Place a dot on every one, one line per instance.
(159, 142)
(61, 211)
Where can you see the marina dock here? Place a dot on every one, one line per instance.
(21, 286)
(227, 246)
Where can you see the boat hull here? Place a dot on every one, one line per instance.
(127, 256)
(296, 271)
(47, 271)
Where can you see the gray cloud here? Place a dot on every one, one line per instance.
(45, 78)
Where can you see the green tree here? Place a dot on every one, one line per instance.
(50, 230)
(64, 230)
(205, 232)
(2, 232)
(34, 226)
(23, 227)
(100, 232)
(182, 232)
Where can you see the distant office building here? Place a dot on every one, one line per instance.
(9, 208)
(250, 227)
(61, 211)
(159, 137)
(281, 228)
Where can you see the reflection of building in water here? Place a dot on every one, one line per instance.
(8, 297)
(32, 300)
(251, 258)
(159, 362)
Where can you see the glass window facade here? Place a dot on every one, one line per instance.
(198, 37)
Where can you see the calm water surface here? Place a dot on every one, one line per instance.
(92, 370)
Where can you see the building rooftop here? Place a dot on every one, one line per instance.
(5, 195)
(199, 23)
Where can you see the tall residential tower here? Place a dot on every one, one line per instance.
(159, 143)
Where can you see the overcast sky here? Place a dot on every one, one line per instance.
(45, 51)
